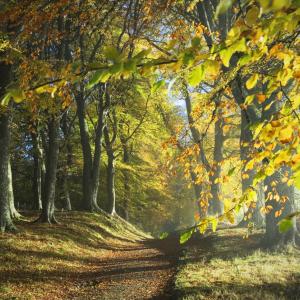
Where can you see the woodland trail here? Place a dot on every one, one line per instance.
(143, 270)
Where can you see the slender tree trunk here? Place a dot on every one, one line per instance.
(13, 212)
(66, 128)
(126, 174)
(38, 170)
(216, 204)
(111, 183)
(48, 210)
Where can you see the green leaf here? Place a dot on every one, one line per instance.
(5, 100)
(196, 76)
(186, 236)
(142, 54)
(113, 54)
(223, 6)
(285, 225)
(116, 68)
(196, 41)
(130, 65)
(259, 177)
(231, 171)
(163, 235)
(141, 91)
(18, 95)
(98, 76)
(157, 85)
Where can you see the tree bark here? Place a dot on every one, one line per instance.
(6, 223)
(126, 174)
(48, 198)
(91, 164)
(38, 169)
(278, 195)
(13, 212)
(111, 183)
(217, 206)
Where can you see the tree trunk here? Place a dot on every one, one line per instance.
(126, 174)
(6, 223)
(38, 170)
(279, 196)
(111, 183)
(66, 128)
(13, 212)
(284, 200)
(47, 214)
(91, 165)
(252, 214)
(217, 206)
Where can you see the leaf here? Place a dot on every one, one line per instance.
(297, 180)
(5, 100)
(163, 235)
(18, 95)
(196, 41)
(186, 236)
(261, 98)
(223, 6)
(98, 76)
(252, 16)
(231, 171)
(116, 68)
(157, 85)
(113, 54)
(141, 91)
(214, 224)
(130, 65)
(142, 54)
(285, 225)
(286, 135)
(226, 54)
(251, 82)
(196, 76)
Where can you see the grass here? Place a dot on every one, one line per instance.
(226, 266)
(43, 260)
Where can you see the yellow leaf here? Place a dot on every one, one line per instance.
(286, 135)
(251, 82)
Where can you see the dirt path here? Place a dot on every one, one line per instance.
(142, 270)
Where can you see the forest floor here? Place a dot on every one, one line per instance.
(87, 256)
(94, 256)
(226, 265)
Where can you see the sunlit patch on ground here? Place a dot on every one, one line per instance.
(226, 266)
